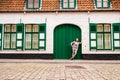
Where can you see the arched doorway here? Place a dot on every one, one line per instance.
(63, 35)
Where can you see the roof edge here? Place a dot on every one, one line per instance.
(36, 11)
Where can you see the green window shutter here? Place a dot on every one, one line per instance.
(20, 36)
(92, 36)
(116, 36)
(93, 27)
(42, 36)
(116, 27)
(1, 27)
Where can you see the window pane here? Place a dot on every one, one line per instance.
(107, 28)
(35, 41)
(19, 43)
(36, 3)
(117, 43)
(13, 28)
(93, 43)
(19, 35)
(72, 5)
(99, 28)
(6, 40)
(99, 3)
(30, 3)
(28, 28)
(35, 28)
(42, 36)
(28, 41)
(65, 1)
(100, 41)
(7, 28)
(65, 5)
(116, 36)
(107, 41)
(93, 35)
(42, 44)
(105, 3)
(13, 40)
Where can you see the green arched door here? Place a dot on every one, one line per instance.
(63, 36)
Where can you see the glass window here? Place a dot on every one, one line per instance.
(13, 40)
(28, 28)
(101, 39)
(68, 4)
(33, 35)
(99, 28)
(33, 4)
(36, 3)
(99, 3)
(6, 40)
(30, 3)
(9, 36)
(107, 41)
(7, 28)
(102, 3)
(105, 3)
(35, 41)
(107, 28)
(35, 28)
(28, 41)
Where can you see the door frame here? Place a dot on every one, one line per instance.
(66, 24)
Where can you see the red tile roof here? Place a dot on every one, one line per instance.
(12, 4)
(115, 4)
(49, 5)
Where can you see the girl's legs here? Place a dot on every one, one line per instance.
(74, 52)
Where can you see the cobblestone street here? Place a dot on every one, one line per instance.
(59, 70)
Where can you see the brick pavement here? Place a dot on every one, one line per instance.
(59, 70)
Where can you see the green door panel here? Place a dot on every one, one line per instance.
(63, 36)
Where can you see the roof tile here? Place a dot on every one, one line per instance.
(55, 5)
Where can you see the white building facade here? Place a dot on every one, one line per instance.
(22, 32)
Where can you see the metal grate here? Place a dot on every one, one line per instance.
(76, 67)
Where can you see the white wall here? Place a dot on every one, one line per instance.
(53, 19)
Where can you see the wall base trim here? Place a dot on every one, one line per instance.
(101, 56)
(26, 56)
(50, 56)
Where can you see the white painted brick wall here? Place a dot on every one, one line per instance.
(53, 19)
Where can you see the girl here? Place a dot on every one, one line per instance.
(75, 46)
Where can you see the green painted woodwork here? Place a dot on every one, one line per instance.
(116, 30)
(100, 37)
(67, 4)
(63, 36)
(9, 41)
(92, 29)
(1, 27)
(20, 36)
(33, 4)
(42, 30)
(103, 3)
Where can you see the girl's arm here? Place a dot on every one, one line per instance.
(72, 43)
(80, 42)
